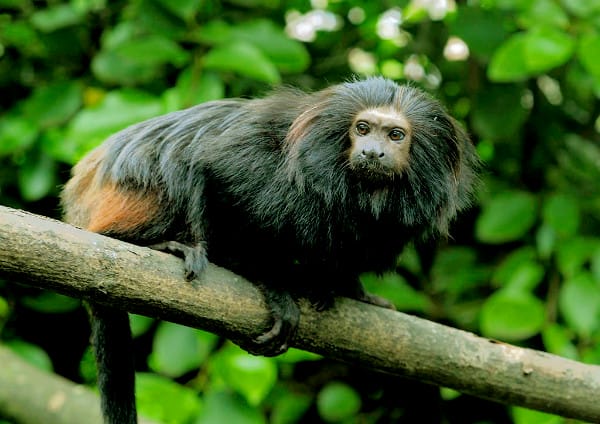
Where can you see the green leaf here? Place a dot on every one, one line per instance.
(508, 62)
(482, 30)
(51, 303)
(561, 213)
(525, 278)
(251, 376)
(287, 54)
(506, 217)
(455, 271)
(582, 8)
(117, 110)
(129, 59)
(56, 17)
(165, 401)
(544, 12)
(573, 254)
(512, 316)
(394, 287)
(293, 356)
(242, 58)
(589, 46)
(547, 48)
(31, 353)
(193, 88)
(557, 340)
(486, 120)
(579, 303)
(53, 104)
(221, 407)
(184, 9)
(139, 324)
(529, 416)
(337, 402)
(507, 268)
(178, 349)
(530, 53)
(152, 50)
(37, 176)
(289, 407)
(545, 240)
(16, 134)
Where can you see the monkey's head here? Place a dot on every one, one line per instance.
(394, 143)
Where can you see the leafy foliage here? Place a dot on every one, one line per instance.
(523, 265)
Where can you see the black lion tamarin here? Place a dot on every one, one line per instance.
(297, 192)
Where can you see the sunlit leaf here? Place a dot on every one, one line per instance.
(222, 407)
(163, 400)
(573, 255)
(512, 316)
(558, 341)
(56, 17)
(546, 48)
(289, 407)
(54, 104)
(178, 349)
(37, 176)
(561, 213)
(529, 416)
(508, 62)
(185, 9)
(117, 110)
(242, 58)
(16, 134)
(506, 217)
(589, 46)
(51, 303)
(579, 302)
(337, 401)
(251, 376)
(394, 287)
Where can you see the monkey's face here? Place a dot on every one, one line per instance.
(380, 143)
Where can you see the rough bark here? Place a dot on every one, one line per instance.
(52, 255)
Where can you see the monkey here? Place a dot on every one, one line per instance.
(297, 192)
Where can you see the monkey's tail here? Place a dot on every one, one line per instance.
(111, 337)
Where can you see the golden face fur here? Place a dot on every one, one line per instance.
(381, 139)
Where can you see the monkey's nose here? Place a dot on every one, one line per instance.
(372, 154)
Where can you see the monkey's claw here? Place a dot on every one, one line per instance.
(195, 260)
(285, 316)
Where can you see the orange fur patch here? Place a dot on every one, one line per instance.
(98, 206)
(117, 211)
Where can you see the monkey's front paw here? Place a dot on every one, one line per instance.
(195, 259)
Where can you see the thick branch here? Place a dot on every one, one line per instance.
(56, 256)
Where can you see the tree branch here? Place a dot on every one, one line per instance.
(56, 256)
(29, 395)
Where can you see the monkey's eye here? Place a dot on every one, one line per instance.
(362, 128)
(396, 134)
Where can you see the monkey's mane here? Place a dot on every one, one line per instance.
(438, 181)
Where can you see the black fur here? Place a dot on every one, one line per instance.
(265, 188)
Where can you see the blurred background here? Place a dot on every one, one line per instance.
(522, 266)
